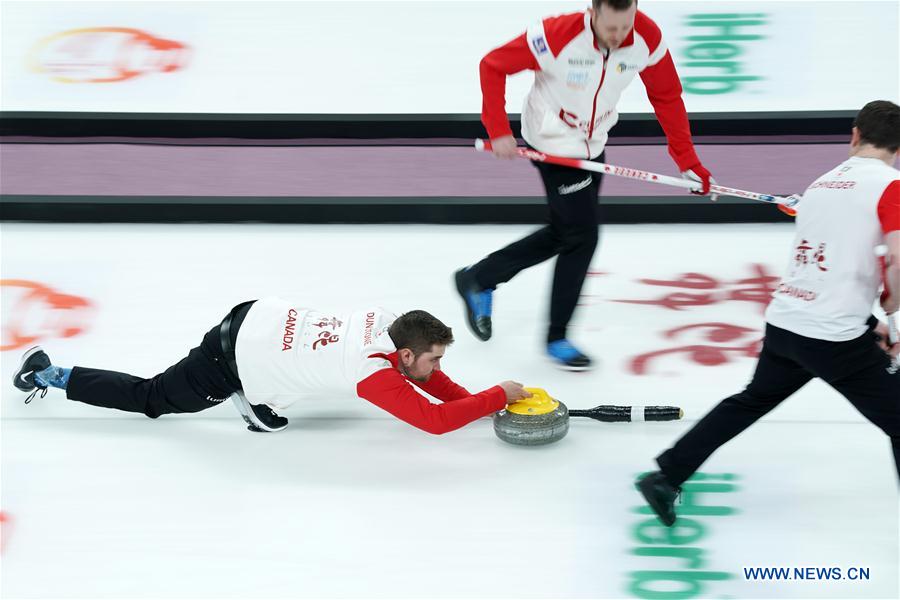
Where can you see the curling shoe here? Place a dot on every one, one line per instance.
(660, 495)
(258, 417)
(478, 304)
(566, 356)
(33, 361)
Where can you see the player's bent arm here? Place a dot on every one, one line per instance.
(508, 59)
(665, 94)
(390, 391)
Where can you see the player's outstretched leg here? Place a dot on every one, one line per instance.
(195, 383)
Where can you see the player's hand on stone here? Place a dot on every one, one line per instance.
(514, 391)
(504, 147)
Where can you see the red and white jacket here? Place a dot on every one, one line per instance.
(833, 275)
(572, 105)
(286, 352)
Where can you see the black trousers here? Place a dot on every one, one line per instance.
(571, 235)
(858, 369)
(197, 382)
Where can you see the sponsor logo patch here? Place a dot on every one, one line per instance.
(622, 67)
(575, 187)
(581, 62)
(577, 80)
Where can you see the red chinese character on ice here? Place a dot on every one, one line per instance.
(757, 289)
(704, 354)
(679, 300)
(325, 338)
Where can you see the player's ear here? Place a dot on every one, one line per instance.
(406, 356)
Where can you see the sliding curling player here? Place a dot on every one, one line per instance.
(269, 353)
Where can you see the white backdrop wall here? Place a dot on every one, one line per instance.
(418, 57)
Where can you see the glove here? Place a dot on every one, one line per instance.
(701, 175)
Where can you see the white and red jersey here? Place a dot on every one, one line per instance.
(833, 274)
(572, 105)
(286, 352)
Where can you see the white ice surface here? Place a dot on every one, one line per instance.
(348, 502)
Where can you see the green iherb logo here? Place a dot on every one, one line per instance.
(713, 65)
(674, 555)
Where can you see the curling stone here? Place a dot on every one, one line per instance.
(542, 419)
(532, 421)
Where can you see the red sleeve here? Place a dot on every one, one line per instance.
(389, 390)
(494, 68)
(442, 387)
(889, 208)
(664, 93)
(648, 29)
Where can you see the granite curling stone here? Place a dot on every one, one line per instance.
(532, 421)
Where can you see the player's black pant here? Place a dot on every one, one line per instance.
(199, 381)
(858, 369)
(571, 235)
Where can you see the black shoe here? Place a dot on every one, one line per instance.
(258, 417)
(33, 360)
(660, 495)
(478, 304)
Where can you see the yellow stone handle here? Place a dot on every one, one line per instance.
(539, 403)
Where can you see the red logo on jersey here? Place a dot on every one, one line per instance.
(834, 185)
(290, 327)
(333, 322)
(367, 331)
(795, 292)
(325, 338)
(817, 258)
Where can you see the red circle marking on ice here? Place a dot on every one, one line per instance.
(5, 522)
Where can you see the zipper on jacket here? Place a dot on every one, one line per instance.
(594, 107)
